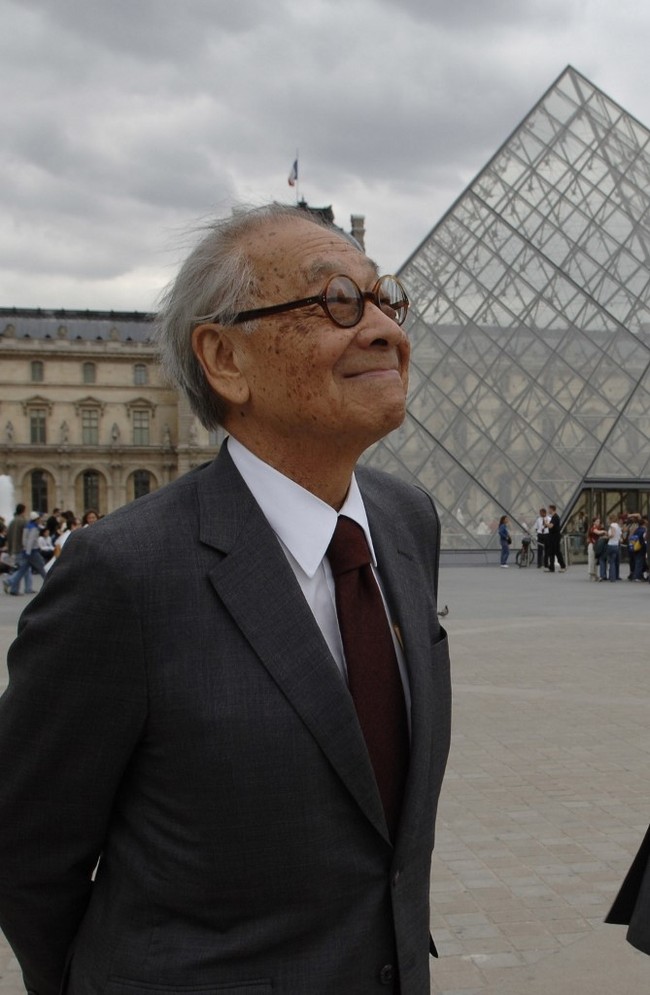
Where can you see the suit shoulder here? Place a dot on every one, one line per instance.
(386, 489)
(164, 509)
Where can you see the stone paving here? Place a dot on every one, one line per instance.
(546, 796)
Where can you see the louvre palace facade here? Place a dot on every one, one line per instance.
(530, 329)
(86, 420)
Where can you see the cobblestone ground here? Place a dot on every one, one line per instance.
(546, 796)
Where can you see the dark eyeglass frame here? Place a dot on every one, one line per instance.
(398, 316)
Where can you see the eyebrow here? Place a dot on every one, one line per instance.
(321, 268)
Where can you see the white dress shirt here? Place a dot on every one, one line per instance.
(304, 526)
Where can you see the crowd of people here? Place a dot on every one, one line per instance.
(31, 543)
(612, 547)
(606, 542)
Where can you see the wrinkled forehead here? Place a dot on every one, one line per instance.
(298, 255)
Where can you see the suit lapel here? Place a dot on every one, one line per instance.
(258, 588)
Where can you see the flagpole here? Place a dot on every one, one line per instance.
(297, 179)
(294, 178)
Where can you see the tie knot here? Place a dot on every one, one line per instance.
(348, 549)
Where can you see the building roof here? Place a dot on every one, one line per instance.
(37, 323)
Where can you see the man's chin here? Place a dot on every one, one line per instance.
(389, 421)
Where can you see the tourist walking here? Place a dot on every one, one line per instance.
(505, 539)
(28, 557)
(14, 545)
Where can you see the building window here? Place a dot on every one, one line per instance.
(141, 428)
(141, 483)
(90, 432)
(37, 371)
(89, 373)
(91, 489)
(39, 491)
(37, 434)
(140, 374)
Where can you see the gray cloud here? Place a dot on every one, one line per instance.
(127, 120)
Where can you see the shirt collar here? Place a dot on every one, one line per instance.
(302, 522)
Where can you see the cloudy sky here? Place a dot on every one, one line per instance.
(124, 122)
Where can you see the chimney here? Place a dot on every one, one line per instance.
(358, 231)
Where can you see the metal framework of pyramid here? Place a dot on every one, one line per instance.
(530, 324)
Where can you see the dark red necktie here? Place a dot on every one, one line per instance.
(373, 674)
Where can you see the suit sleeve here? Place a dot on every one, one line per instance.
(69, 721)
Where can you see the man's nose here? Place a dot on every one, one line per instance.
(378, 327)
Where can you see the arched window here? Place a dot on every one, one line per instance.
(141, 483)
(140, 374)
(39, 490)
(37, 371)
(91, 489)
(89, 373)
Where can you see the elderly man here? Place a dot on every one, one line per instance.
(228, 713)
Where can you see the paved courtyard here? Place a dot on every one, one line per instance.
(547, 793)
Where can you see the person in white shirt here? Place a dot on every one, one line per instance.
(45, 545)
(613, 548)
(541, 528)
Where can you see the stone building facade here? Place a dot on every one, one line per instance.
(86, 420)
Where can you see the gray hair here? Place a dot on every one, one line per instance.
(216, 280)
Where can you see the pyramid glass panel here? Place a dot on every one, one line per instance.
(530, 325)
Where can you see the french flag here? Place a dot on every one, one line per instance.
(293, 175)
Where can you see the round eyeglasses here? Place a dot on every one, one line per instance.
(343, 302)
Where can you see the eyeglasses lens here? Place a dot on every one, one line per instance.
(392, 298)
(343, 301)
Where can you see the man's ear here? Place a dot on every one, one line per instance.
(214, 347)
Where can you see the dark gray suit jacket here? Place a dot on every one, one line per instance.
(173, 707)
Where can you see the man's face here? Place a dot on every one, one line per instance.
(309, 382)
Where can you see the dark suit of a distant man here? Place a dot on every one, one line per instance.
(175, 718)
(552, 546)
(632, 905)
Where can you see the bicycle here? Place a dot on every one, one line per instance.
(526, 555)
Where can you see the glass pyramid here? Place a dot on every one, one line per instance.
(530, 324)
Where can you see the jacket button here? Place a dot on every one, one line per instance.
(386, 975)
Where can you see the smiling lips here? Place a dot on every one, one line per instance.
(372, 372)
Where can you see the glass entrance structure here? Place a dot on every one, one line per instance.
(530, 326)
